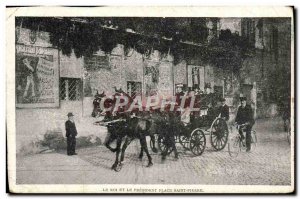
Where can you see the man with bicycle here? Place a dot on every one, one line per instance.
(245, 119)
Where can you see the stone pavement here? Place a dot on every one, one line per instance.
(269, 164)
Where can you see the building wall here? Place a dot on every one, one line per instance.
(180, 73)
(272, 51)
(33, 123)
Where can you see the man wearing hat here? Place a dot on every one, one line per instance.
(179, 94)
(245, 117)
(224, 109)
(71, 134)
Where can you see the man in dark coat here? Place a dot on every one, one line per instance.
(245, 117)
(71, 134)
(179, 95)
(224, 110)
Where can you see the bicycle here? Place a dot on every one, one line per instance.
(236, 144)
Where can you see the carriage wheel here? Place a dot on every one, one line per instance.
(234, 146)
(219, 134)
(163, 145)
(184, 141)
(197, 142)
(253, 140)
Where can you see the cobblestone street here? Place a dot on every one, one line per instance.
(269, 164)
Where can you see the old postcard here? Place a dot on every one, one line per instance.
(150, 100)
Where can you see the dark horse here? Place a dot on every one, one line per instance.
(123, 126)
(129, 129)
(167, 130)
(96, 104)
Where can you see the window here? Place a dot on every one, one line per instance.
(70, 89)
(96, 62)
(248, 31)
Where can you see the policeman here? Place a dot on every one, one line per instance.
(71, 134)
(245, 117)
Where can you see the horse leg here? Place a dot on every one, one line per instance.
(145, 148)
(167, 141)
(108, 142)
(164, 152)
(142, 152)
(154, 149)
(173, 145)
(124, 147)
(119, 142)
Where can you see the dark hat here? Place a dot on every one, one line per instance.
(207, 85)
(222, 99)
(70, 114)
(243, 98)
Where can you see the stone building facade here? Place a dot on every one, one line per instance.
(79, 79)
(271, 40)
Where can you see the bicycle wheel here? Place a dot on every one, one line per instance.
(219, 134)
(253, 140)
(234, 146)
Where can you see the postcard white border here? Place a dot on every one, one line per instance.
(164, 11)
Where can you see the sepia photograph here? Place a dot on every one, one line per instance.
(151, 100)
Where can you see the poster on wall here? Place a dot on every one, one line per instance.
(165, 85)
(196, 77)
(37, 77)
(151, 78)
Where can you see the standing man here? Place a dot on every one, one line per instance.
(244, 117)
(71, 134)
(224, 110)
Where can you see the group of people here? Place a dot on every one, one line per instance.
(244, 117)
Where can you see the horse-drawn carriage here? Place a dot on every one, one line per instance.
(192, 136)
(166, 128)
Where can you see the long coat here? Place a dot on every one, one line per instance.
(224, 111)
(245, 115)
(70, 129)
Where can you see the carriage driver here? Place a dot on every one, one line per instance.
(245, 117)
(224, 110)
